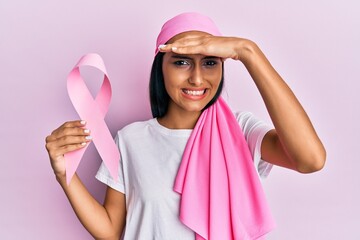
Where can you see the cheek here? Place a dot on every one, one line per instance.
(214, 77)
(215, 87)
(174, 77)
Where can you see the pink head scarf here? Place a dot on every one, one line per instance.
(183, 23)
(221, 194)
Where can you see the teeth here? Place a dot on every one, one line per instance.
(194, 93)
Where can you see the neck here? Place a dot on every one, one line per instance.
(179, 119)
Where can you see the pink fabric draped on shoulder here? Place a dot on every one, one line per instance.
(221, 193)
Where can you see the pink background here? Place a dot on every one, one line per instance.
(314, 45)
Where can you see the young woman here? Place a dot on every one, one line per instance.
(155, 182)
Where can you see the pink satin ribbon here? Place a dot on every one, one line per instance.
(93, 111)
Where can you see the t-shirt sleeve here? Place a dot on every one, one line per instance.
(254, 131)
(103, 174)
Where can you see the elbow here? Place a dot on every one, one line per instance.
(313, 163)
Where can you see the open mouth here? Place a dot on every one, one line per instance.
(194, 92)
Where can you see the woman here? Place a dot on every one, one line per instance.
(185, 85)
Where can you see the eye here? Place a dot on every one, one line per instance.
(181, 63)
(210, 63)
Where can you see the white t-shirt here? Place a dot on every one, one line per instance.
(150, 157)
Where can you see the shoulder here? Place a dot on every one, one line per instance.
(246, 119)
(251, 125)
(243, 116)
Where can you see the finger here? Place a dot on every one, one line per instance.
(66, 140)
(165, 48)
(66, 149)
(198, 49)
(69, 140)
(76, 123)
(72, 131)
(55, 136)
(183, 42)
(189, 41)
(68, 131)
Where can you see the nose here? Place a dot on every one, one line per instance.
(196, 78)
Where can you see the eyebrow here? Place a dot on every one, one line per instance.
(189, 58)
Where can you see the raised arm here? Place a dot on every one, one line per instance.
(102, 221)
(293, 143)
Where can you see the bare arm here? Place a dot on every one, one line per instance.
(293, 143)
(102, 221)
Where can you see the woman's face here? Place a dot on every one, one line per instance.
(191, 80)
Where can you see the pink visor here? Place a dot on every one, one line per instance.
(185, 22)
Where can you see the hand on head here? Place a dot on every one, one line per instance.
(205, 44)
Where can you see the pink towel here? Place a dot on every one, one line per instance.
(221, 194)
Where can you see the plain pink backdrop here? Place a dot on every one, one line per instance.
(314, 45)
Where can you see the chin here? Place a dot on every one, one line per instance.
(196, 106)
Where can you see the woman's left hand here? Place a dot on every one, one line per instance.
(223, 47)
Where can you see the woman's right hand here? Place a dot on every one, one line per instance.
(68, 137)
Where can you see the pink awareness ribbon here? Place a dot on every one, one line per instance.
(93, 111)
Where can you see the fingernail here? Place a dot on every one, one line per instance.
(173, 48)
(82, 122)
(161, 46)
(83, 143)
(88, 137)
(86, 130)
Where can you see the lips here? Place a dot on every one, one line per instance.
(194, 92)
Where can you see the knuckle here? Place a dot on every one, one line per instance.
(67, 124)
(69, 148)
(47, 146)
(66, 131)
(62, 125)
(66, 147)
(185, 41)
(50, 150)
(66, 138)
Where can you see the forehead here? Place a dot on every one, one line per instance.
(188, 34)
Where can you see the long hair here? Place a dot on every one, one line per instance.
(159, 98)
